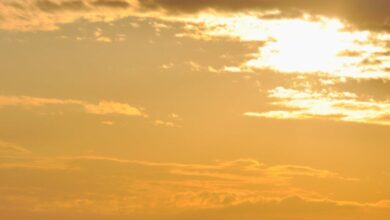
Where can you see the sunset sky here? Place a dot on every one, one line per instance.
(194, 109)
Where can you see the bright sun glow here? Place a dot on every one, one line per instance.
(304, 45)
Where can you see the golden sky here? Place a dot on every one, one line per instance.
(194, 109)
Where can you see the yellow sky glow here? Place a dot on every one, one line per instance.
(194, 110)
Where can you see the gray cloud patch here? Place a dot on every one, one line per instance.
(79, 5)
(111, 3)
(365, 13)
(50, 6)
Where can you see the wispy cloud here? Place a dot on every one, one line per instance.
(7, 148)
(182, 186)
(109, 107)
(120, 187)
(101, 108)
(340, 106)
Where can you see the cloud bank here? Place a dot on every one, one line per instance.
(105, 186)
(46, 14)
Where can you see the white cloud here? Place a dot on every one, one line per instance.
(341, 106)
(305, 45)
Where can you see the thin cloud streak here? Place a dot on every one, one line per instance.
(7, 148)
(307, 104)
(101, 108)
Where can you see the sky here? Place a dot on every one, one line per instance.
(194, 109)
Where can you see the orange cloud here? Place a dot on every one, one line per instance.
(7, 148)
(105, 186)
(102, 108)
(182, 186)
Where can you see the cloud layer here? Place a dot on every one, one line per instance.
(111, 186)
(364, 13)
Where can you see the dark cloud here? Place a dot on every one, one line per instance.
(371, 62)
(15, 5)
(370, 14)
(111, 3)
(366, 13)
(51, 6)
(78, 5)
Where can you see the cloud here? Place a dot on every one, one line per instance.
(7, 148)
(304, 45)
(294, 170)
(293, 208)
(326, 45)
(101, 108)
(365, 13)
(109, 107)
(99, 37)
(47, 15)
(109, 123)
(165, 123)
(53, 6)
(77, 5)
(339, 106)
(167, 66)
(118, 187)
(112, 3)
(362, 13)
